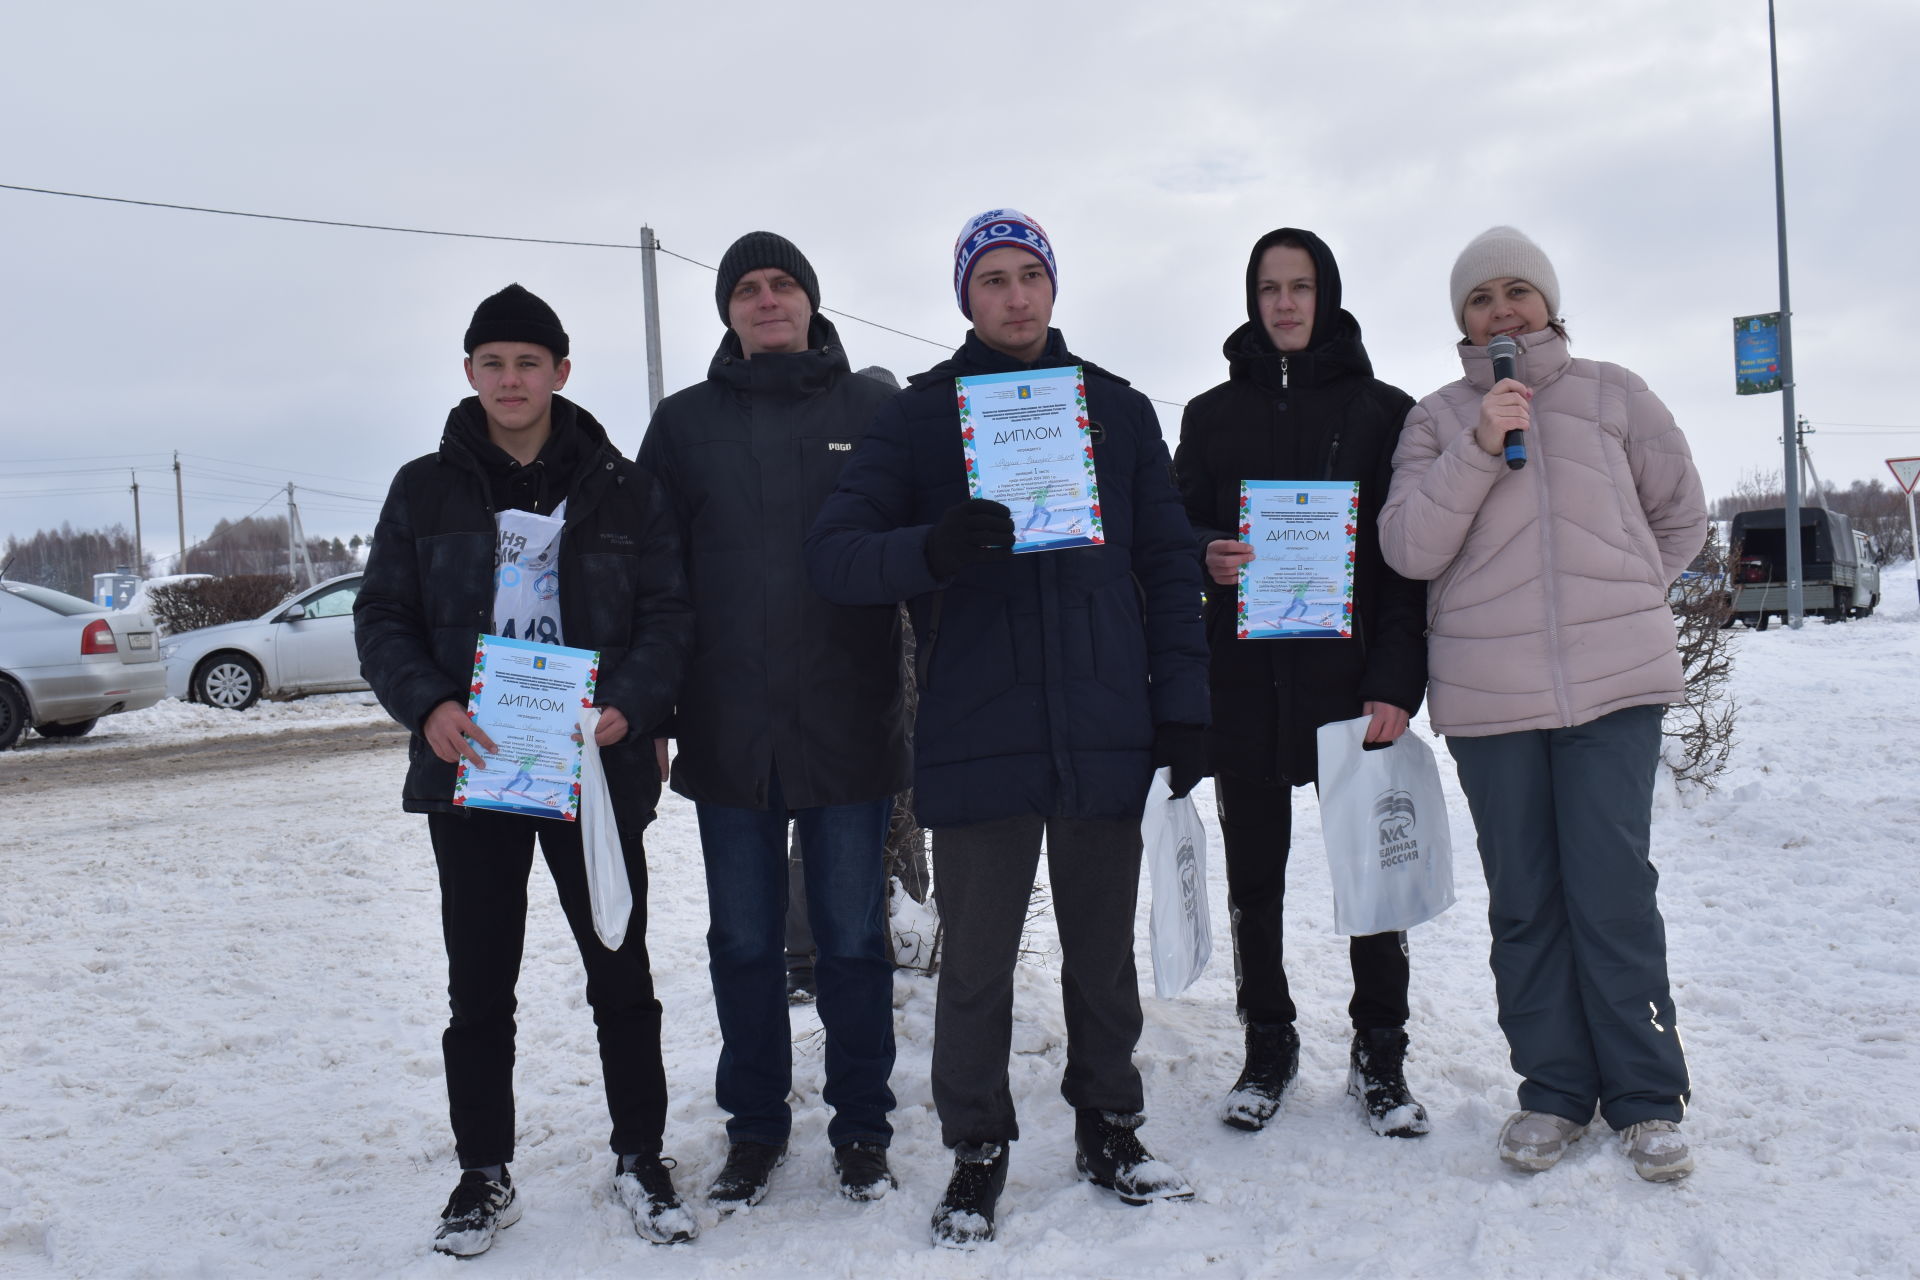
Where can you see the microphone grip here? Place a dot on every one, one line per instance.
(1515, 450)
(1504, 352)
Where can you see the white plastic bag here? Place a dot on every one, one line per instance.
(1385, 822)
(1175, 848)
(607, 887)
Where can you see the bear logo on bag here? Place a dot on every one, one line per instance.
(1394, 811)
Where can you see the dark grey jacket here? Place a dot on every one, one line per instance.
(780, 678)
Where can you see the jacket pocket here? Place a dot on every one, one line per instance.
(971, 660)
(1119, 638)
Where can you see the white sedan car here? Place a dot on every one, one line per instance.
(65, 662)
(302, 645)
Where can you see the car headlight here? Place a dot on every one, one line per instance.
(168, 650)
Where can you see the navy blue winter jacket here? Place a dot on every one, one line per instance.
(1041, 678)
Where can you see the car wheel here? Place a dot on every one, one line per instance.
(13, 715)
(80, 730)
(230, 681)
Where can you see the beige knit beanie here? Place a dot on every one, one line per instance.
(1495, 254)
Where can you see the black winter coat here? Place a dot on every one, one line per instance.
(428, 591)
(1317, 414)
(1042, 678)
(781, 678)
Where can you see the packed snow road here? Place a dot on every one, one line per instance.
(221, 992)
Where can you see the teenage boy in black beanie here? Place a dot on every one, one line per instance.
(516, 453)
(793, 710)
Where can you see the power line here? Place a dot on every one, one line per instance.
(461, 235)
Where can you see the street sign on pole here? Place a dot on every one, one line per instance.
(1906, 471)
(1756, 354)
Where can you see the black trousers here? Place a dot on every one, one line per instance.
(983, 876)
(1256, 825)
(484, 859)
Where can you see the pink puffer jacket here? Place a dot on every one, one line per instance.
(1547, 599)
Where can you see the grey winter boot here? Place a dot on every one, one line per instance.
(1110, 1156)
(1273, 1059)
(1378, 1079)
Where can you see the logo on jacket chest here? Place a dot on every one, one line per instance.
(614, 538)
(840, 446)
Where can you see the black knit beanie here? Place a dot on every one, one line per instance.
(758, 249)
(515, 315)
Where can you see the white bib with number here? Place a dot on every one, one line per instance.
(526, 576)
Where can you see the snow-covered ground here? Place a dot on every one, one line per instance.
(220, 1004)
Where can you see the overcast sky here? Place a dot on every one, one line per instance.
(1155, 142)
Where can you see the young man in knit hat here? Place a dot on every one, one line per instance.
(792, 710)
(1051, 685)
(523, 474)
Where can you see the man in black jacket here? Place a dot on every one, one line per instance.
(793, 709)
(512, 454)
(1051, 684)
(1300, 403)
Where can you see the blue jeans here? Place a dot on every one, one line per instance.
(842, 847)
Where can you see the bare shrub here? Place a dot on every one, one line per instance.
(188, 606)
(1700, 729)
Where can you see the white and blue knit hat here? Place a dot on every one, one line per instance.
(994, 229)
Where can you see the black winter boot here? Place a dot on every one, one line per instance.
(964, 1216)
(1273, 1060)
(1110, 1156)
(1378, 1079)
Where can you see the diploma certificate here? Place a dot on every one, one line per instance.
(527, 696)
(1028, 448)
(1300, 582)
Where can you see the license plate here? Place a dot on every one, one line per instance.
(140, 640)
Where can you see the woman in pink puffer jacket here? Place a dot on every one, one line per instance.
(1551, 659)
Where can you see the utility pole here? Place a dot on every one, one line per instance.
(650, 299)
(297, 538)
(1795, 595)
(180, 510)
(139, 559)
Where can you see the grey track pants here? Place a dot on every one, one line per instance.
(983, 878)
(1579, 949)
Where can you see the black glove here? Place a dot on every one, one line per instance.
(1181, 749)
(970, 532)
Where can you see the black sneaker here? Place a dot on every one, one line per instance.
(1273, 1060)
(743, 1179)
(478, 1208)
(1378, 1079)
(863, 1171)
(645, 1185)
(800, 986)
(1110, 1155)
(964, 1216)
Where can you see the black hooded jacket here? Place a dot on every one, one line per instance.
(780, 678)
(1317, 414)
(428, 591)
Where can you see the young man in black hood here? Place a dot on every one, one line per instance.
(518, 465)
(1300, 403)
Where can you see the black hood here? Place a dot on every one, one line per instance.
(575, 437)
(783, 373)
(1335, 348)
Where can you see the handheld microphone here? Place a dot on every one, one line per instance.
(1505, 352)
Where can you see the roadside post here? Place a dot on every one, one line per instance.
(1906, 471)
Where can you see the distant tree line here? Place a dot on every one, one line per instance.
(67, 558)
(1876, 509)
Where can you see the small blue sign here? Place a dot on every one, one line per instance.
(1756, 354)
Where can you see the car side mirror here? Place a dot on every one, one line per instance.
(294, 613)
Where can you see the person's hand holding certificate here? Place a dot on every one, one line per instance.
(527, 697)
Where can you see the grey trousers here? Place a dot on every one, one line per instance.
(1579, 949)
(983, 877)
